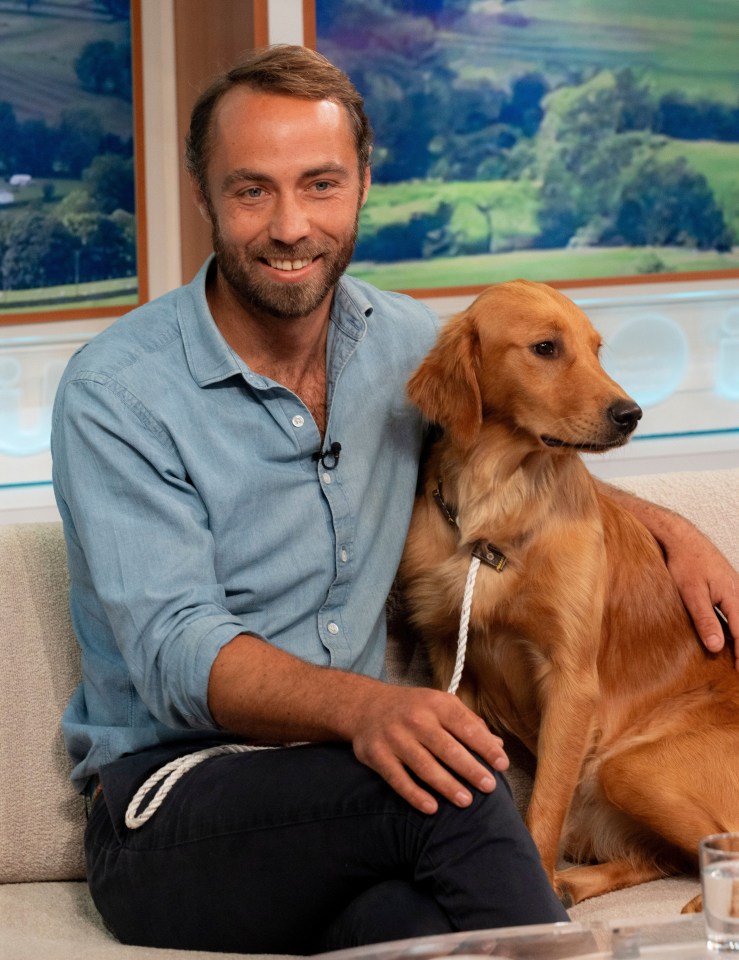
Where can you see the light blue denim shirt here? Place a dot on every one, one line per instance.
(193, 510)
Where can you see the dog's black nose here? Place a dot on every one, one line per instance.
(625, 414)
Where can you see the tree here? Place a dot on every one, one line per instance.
(39, 253)
(407, 76)
(105, 67)
(111, 249)
(36, 148)
(393, 93)
(80, 132)
(118, 9)
(636, 104)
(524, 108)
(589, 139)
(110, 181)
(669, 204)
(408, 240)
(685, 119)
(8, 137)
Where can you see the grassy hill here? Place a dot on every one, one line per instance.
(678, 44)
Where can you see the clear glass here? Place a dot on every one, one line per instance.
(719, 863)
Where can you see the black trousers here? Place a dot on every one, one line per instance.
(300, 850)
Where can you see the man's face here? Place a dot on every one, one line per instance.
(284, 196)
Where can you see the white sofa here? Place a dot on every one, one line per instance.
(45, 909)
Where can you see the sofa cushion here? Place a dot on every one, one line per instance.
(41, 818)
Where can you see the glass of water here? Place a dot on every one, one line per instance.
(719, 863)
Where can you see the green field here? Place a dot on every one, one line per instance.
(103, 293)
(504, 208)
(37, 56)
(544, 265)
(679, 44)
(33, 195)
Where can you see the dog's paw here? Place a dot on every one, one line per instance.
(564, 893)
(693, 906)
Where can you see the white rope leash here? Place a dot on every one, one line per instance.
(168, 775)
(171, 772)
(464, 623)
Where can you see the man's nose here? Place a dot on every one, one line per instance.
(289, 222)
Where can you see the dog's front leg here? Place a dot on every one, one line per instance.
(564, 737)
(568, 690)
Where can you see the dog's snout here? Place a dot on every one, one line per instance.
(625, 414)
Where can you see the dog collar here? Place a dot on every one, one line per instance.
(451, 518)
(487, 552)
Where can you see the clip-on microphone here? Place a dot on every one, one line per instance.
(328, 458)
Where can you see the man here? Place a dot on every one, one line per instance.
(235, 466)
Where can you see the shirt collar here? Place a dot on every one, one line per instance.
(351, 309)
(208, 355)
(210, 358)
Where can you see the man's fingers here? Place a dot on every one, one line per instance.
(440, 766)
(436, 757)
(422, 763)
(706, 578)
(464, 732)
(728, 617)
(715, 615)
(457, 758)
(384, 762)
(709, 631)
(403, 784)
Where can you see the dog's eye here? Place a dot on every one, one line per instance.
(547, 348)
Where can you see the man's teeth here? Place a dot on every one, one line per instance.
(288, 264)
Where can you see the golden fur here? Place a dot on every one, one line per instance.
(581, 646)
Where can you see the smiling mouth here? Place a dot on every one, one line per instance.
(288, 266)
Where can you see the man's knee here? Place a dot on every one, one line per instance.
(391, 910)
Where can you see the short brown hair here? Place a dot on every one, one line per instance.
(282, 69)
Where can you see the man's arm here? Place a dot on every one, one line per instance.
(259, 691)
(702, 573)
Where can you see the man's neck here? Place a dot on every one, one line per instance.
(290, 352)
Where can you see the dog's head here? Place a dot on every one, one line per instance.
(523, 355)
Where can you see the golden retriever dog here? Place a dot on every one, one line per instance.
(579, 644)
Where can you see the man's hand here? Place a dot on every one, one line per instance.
(705, 579)
(264, 693)
(703, 575)
(406, 730)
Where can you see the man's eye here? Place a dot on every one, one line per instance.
(252, 193)
(321, 186)
(547, 348)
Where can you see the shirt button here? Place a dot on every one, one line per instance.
(327, 478)
(333, 628)
(344, 556)
(298, 421)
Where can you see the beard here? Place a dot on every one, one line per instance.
(285, 301)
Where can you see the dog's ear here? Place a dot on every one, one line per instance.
(445, 386)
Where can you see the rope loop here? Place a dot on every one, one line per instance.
(171, 772)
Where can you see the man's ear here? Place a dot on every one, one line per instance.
(445, 386)
(199, 200)
(366, 185)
